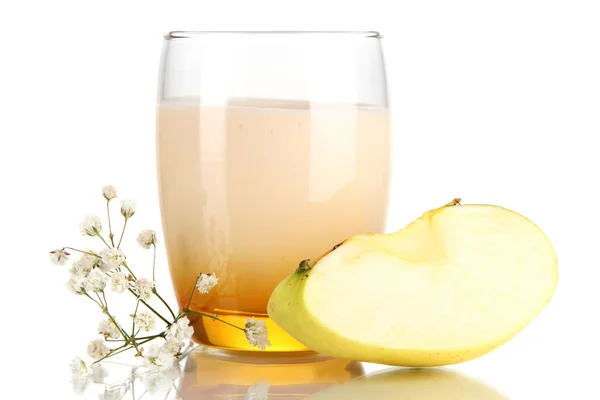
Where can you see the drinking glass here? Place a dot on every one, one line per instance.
(272, 147)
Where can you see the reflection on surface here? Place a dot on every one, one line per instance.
(412, 384)
(213, 375)
(206, 374)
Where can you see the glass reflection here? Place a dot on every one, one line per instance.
(413, 384)
(214, 375)
(206, 374)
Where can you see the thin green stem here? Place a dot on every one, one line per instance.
(147, 340)
(122, 233)
(137, 304)
(162, 334)
(165, 303)
(191, 295)
(100, 300)
(153, 262)
(92, 299)
(151, 309)
(214, 317)
(81, 251)
(114, 352)
(105, 311)
(128, 269)
(105, 301)
(110, 232)
(100, 236)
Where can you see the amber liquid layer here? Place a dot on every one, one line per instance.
(250, 189)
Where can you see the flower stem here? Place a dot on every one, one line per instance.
(213, 317)
(122, 233)
(141, 338)
(128, 269)
(110, 232)
(100, 236)
(164, 302)
(114, 352)
(92, 299)
(137, 304)
(81, 251)
(187, 306)
(153, 262)
(152, 309)
(105, 311)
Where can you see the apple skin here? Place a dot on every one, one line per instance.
(287, 307)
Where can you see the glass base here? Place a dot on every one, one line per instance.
(216, 334)
(219, 374)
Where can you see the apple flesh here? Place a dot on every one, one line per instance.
(449, 287)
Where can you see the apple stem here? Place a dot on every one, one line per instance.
(455, 202)
(305, 265)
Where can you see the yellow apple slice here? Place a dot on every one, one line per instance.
(451, 286)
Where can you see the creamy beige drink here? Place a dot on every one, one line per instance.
(250, 189)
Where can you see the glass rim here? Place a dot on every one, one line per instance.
(198, 34)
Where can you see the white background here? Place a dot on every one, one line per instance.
(495, 102)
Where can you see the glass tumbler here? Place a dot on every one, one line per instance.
(272, 147)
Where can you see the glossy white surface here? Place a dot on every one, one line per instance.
(495, 102)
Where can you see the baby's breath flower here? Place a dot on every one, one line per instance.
(98, 373)
(109, 329)
(76, 284)
(79, 383)
(112, 258)
(180, 330)
(156, 357)
(97, 349)
(146, 238)
(172, 346)
(258, 391)
(206, 282)
(143, 288)
(78, 366)
(119, 282)
(159, 383)
(83, 266)
(59, 256)
(145, 321)
(257, 333)
(127, 208)
(109, 192)
(91, 225)
(96, 281)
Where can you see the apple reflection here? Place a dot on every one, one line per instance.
(213, 375)
(412, 384)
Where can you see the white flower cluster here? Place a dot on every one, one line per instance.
(93, 271)
(59, 256)
(112, 258)
(109, 329)
(164, 356)
(257, 333)
(258, 391)
(206, 282)
(97, 349)
(145, 321)
(88, 274)
(143, 288)
(91, 225)
(147, 238)
(127, 208)
(109, 192)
